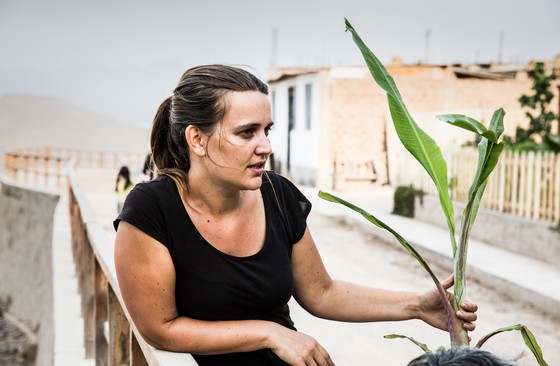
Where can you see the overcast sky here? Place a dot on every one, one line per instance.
(121, 58)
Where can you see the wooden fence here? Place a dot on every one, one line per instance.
(110, 336)
(526, 184)
(109, 333)
(47, 167)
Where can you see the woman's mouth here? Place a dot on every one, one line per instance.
(257, 166)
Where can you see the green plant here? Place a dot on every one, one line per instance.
(403, 200)
(429, 155)
(538, 134)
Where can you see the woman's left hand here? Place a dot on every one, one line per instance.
(433, 312)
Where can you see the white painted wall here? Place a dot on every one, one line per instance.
(304, 142)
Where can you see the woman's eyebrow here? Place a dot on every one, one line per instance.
(251, 125)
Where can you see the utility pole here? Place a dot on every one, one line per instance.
(273, 47)
(500, 46)
(427, 47)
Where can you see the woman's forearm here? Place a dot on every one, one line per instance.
(349, 302)
(210, 337)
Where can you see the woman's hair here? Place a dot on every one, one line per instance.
(459, 356)
(124, 172)
(200, 100)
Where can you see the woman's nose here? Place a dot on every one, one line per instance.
(264, 146)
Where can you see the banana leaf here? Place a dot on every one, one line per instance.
(468, 123)
(419, 344)
(488, 155)
(457, 334)
(527, 336)
(414, 139)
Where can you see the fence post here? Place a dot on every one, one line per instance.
(537, 185)
(119, 333)
(556, 185)
(100, 309)
(136, 354)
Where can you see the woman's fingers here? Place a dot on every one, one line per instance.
(325, 358)
(448, 282)
(468, 315)
(469, 306)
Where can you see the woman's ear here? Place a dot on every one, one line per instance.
(196, 140)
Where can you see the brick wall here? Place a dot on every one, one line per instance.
(359, 112)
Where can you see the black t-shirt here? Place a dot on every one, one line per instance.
(212, 285)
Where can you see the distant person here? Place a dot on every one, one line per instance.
(459, 356)
(148, 169)
(123, 186)
(209, 252)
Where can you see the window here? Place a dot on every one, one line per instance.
(308, 94)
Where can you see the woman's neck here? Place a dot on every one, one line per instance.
(205, 196)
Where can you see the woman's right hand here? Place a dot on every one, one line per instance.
(298, 349)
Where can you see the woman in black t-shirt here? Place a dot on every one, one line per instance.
(209, 253)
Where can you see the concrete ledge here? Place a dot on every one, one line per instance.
(26, 273)
(534, 238)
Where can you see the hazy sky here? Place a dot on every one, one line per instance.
(121, 58)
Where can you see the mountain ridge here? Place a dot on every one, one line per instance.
(28, 120)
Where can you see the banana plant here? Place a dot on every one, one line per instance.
(429, 155)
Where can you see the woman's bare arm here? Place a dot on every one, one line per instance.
(324, 297)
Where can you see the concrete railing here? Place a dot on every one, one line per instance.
(109, 333)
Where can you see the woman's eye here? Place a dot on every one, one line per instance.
(247, 133)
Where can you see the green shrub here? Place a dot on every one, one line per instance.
(403, 200)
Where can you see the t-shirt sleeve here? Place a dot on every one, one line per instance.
(294, 204)
(143, 210)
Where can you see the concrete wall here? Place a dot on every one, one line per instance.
(532, 238)
(26, 273)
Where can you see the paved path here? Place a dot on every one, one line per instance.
(529, 279)
(68, 322)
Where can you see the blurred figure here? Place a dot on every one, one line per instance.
(459, 356)
(123, 186)
(147, 171)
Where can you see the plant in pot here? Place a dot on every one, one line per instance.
(429, 155)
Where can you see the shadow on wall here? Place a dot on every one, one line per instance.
(26, 273)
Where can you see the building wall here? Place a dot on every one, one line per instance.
(304, 140)
(357, 122)
(430, 95)
(354, 123)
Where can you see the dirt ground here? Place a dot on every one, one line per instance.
(350, 253)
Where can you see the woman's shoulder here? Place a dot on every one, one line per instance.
(158, 189)
(283, 188)
(158, 184)
(278, 180)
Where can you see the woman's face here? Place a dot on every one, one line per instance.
(239, 148)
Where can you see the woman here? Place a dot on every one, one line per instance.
(209, 253)
(123, 186)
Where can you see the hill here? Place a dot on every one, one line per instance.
(30, 120)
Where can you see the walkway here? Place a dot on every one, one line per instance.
(68, 322)
(528, 279)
